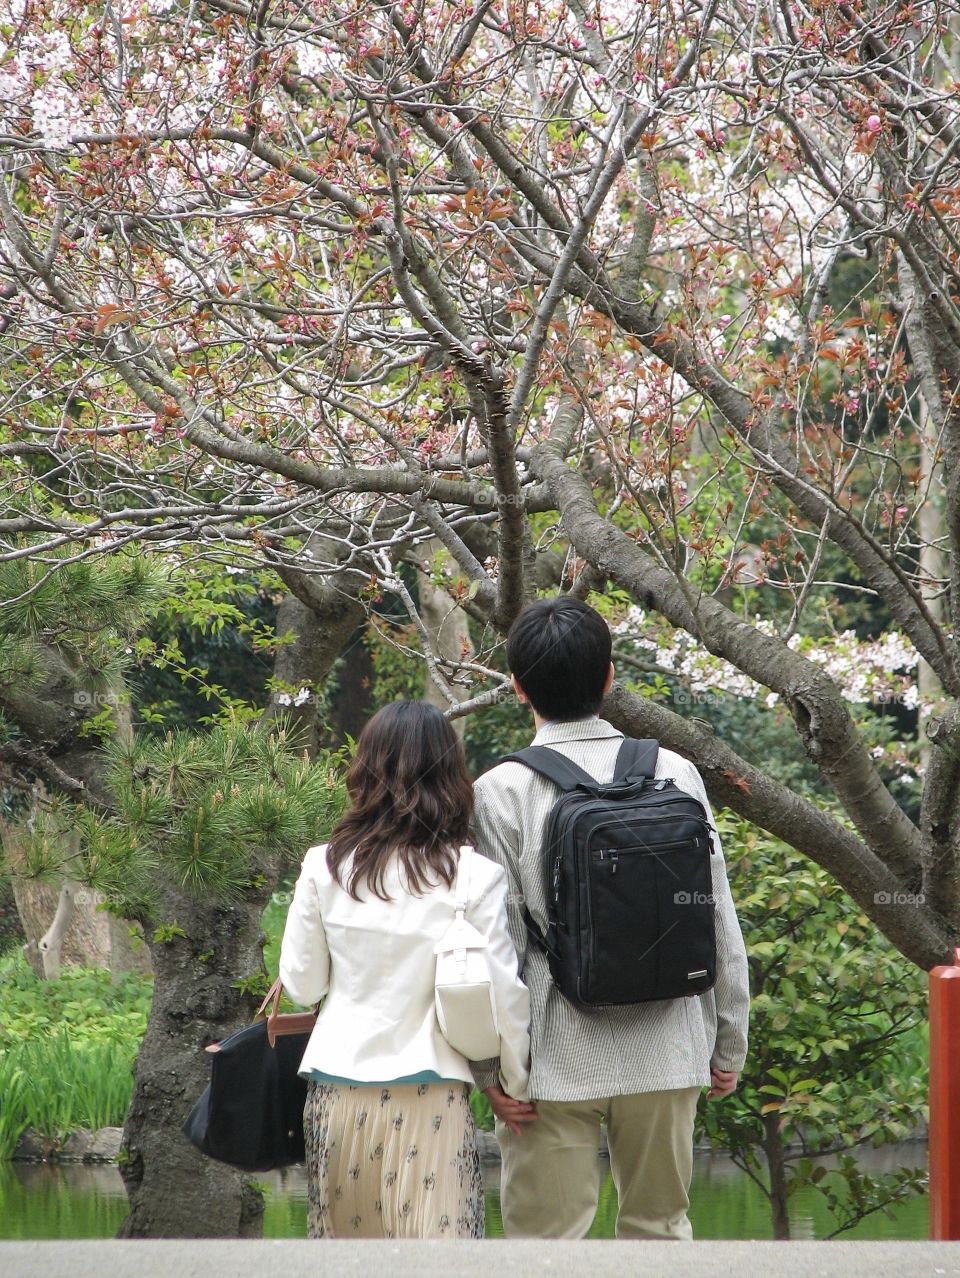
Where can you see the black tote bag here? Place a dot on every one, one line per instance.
(251, 1113)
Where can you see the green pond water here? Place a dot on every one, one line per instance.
(81, 1201)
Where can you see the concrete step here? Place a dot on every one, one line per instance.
(207, 1258)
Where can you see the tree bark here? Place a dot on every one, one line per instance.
(175, 1191)
(351, 707)
(777, 1169)
(84, 940)
(933, 570)
(448, 629)
(322, 613)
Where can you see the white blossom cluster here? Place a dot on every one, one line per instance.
(298, 699)
(864, 670)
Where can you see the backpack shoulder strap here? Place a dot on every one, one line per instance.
(636, 759)
(553, 765)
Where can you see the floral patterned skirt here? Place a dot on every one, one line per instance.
(394, 1161)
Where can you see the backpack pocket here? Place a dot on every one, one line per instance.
(650, 923)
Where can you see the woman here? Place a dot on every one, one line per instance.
(391, 1142)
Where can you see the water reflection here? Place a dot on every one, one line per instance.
(89, 1201)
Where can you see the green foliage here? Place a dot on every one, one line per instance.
(397, 676)
(167, 932)
(94, 1007)
(67, 1048)
(212, 618)
(213, 813)
(254, 984)
(837, 1045)
(74, 603)
(88, 610)
(57, 1086)
(482, 1113)
(851, 1195)
(274, 918)
(496, 731)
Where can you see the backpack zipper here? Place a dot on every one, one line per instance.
(613, 854)
(699, 820)
(600, 805)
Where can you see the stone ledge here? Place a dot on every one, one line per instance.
(534, 1258)
(80, 1146)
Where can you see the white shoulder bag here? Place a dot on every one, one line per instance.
(465, 1002)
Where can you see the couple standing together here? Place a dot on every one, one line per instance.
(390, 1137)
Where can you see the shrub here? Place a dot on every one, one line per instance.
(67, 1048)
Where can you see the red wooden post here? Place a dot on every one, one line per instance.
(945, 1100)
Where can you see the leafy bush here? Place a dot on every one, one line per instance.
(837, 1055)
(85, 1000)
(67, 1048)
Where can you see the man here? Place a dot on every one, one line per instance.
(639, 1068)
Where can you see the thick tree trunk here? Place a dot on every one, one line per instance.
(11, 929)
(91, 937)
(322, 614)
(352, 705)
(174, 1190)
(129, 952)
(932, 530)
(777, 1169)
(448, 629)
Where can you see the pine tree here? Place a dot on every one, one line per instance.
(185, 833)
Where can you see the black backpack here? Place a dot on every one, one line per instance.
(629, 889)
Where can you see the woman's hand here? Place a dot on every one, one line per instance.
(513, 1113)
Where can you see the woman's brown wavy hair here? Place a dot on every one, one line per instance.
(410, 795)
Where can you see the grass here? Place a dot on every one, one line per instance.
(67, 1048)
(56, 1086)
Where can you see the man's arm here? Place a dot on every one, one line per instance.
(732, 988)
(488, 914)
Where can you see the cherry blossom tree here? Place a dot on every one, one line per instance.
(552, 284)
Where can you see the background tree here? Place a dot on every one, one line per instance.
(62, 691)
(186, 834)
(662, 298)
(837, 1057)
(199, 827)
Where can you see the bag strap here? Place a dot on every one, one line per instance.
(547, 941)
(461, 886)
(274, 992)
(287, 1022)
(637, 759)
(553, 765)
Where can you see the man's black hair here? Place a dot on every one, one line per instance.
(559, 649)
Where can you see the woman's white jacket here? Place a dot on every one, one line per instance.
(374, 965)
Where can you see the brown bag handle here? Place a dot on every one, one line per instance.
(288, 1022)
(280, 1022)
(274, 992)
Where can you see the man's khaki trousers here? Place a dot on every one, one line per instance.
(550, 1174)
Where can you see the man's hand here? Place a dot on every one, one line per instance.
(514, 1113)
(723, 1082)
